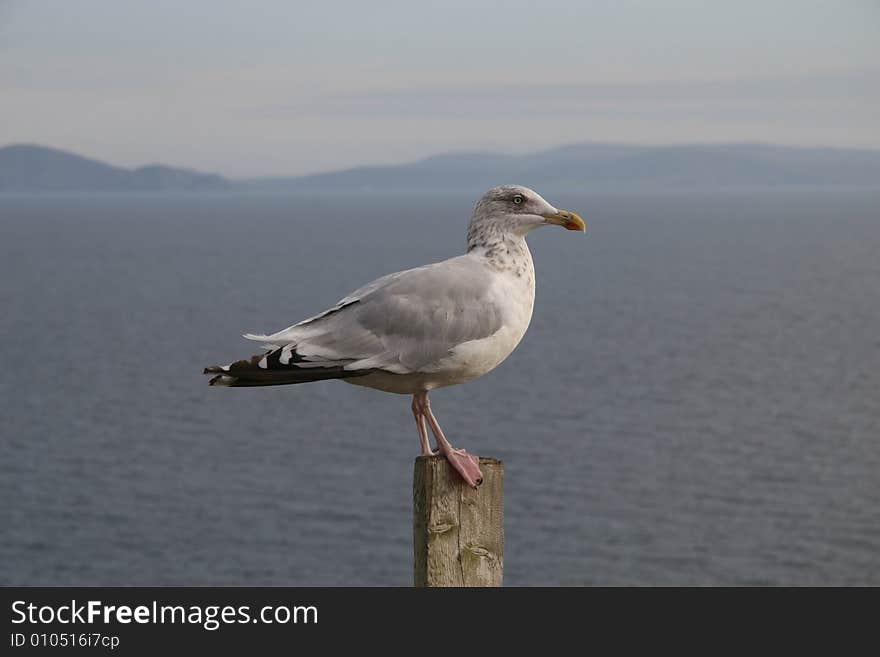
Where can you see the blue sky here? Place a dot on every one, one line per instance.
(271, 87)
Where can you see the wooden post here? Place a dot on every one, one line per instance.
(458, 532)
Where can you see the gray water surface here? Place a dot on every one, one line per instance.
(697, 400)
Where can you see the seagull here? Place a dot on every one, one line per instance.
(424, 328)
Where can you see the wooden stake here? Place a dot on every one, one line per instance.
(458, 532)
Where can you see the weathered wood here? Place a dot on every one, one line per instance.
(458, 532)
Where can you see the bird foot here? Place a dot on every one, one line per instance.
(466, 465)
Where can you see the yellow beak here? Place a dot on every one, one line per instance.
(566, 219)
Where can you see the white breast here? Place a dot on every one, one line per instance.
(513, 289)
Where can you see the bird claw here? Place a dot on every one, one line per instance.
(467, 465)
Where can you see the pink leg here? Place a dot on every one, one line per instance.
(423, 431)
(467, 465)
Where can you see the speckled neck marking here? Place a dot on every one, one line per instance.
(503, 251)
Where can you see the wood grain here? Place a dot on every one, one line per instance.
(458, 532)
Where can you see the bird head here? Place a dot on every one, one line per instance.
(519, 210)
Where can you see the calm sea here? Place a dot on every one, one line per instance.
(697, 400)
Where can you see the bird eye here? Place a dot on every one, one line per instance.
(518, 199)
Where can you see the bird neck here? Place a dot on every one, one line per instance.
(487, 235)
(503, 251)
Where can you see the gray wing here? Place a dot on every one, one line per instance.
(400, 323)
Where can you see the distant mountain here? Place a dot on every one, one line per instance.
(581, 166)
(31, 168)
(610, 166)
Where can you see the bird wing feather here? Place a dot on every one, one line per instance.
(401, 323)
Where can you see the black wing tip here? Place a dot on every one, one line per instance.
(222, 377)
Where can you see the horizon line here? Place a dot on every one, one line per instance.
(453, 153)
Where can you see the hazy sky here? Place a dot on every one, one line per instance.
(286, 87)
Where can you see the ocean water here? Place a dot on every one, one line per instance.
(697, 400)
